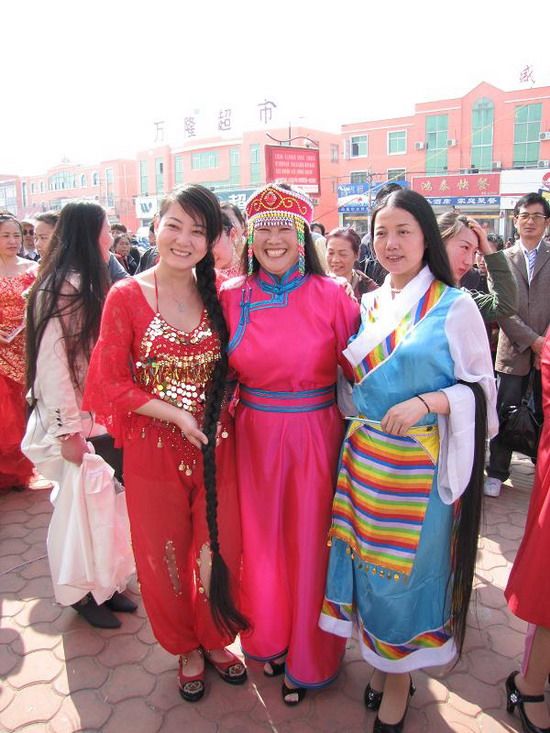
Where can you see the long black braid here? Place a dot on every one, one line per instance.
(202, 204)
(466, 530)
(224, 611)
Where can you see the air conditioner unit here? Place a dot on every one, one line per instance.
(544, 136)
(419, 146)
(497, 165)
(543, 164)
(451, 142)
(464, 171)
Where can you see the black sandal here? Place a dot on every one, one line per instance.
(287, 691)
(276, 669)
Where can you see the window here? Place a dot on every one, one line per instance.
(334, 153)
(359, 177)
(436, 143)
(202, 161)
(159, 175)
(359, 146)
(396, 174)
(109, 193)
(483, 113)
(178, 170)
(61, 181)
(42, 186)
(526, 135)
(255, 172)
(95, 178)
(234, 165)
(143, 177)
(24, 193)
(33, 187)
(83, 183)
(397, 142)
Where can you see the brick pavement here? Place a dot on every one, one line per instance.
(59, 675)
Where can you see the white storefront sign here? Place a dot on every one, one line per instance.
(146, 206)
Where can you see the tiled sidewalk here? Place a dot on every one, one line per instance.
(59, 675)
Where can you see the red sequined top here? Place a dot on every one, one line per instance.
(12, 312)
(138, 356)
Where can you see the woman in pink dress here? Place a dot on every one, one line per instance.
(16, 275)
(288, 324)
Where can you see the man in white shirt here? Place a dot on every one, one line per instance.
(522, 335)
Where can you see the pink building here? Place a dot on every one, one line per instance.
(113, 184)
(448, 144)
(484, 132)
(234, 167)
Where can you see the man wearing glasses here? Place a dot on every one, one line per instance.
(28, 248)
(522, 335)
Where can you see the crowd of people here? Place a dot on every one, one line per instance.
(201, 386)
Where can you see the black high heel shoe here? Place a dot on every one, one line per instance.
(381, 727)
(373, 698)
(515, 698)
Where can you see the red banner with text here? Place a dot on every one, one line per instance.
(297, 166)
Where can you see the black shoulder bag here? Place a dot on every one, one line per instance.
(519, 427)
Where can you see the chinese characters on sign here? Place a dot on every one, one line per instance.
(479, 184)
(206, 121)
(266, 111)
(189, 125)
(527, 75)
(237, 196)
(295, 165)
(159, 131)
(465, 201)
(224, 119)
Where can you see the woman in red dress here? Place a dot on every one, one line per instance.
(528, 589)
(16, 275)
(157, 381)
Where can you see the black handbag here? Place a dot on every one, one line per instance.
(104, 446)
(519, 427)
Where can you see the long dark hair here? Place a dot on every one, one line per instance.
(74, 250)
(466, 524)
(201, 204)
(435, 254)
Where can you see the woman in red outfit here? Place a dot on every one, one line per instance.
(16, 276)
(528, 589)
(157, 381)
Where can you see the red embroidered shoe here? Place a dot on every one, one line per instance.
(191, 687)
(231, 671)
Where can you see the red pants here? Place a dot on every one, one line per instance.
(15, 468)
(167, 512)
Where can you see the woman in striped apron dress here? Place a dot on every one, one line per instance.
(406, 512)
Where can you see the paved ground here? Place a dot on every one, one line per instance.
(59, 675)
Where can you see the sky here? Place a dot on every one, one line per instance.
(90, 78)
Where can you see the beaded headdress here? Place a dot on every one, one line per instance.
(273, 205)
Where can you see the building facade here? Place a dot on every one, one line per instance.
(234, 167)
(451, 150)
(462, 152)
(113, 184)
